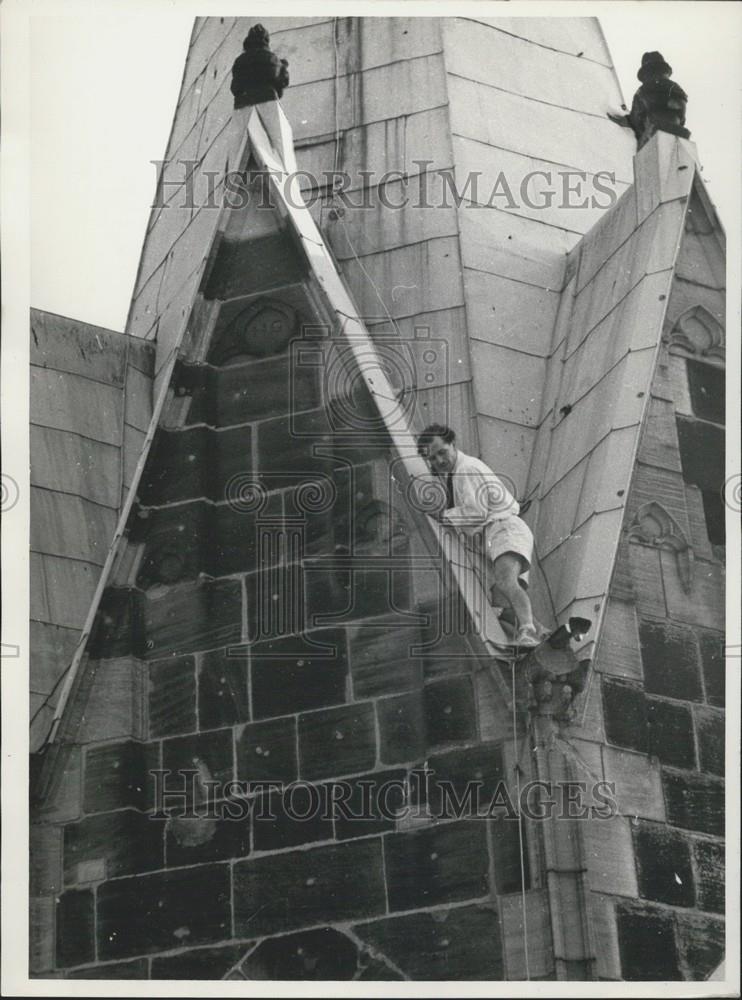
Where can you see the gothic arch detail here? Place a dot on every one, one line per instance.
(697, 332)
(653, 525)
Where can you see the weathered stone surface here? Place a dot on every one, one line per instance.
(452, 774)
(506, 845)
(323, 954)
(368, 803)
(156, 912)
(337, 741)
(664, 865)
(646, 942)
(671, 733)
(625, 713)
(694, 802)
(701, 944)
(213, 831)
(198, 963)
(710, 734)
(299, 888)
(222, 690)
(619, 641)
(209, 753)
(136, 969)
(670, 660)
(638, 783)
(126, 842)
(172, 696)
(75, 922)
(533, 931)
(381, 660)
(118, 775)
(242, 268)
(293, 674)
(439, 864)
(298, 815)
(45, 857)
(41, 934)
(712, 660)
(449, 711)
(74, 403)
(710, 872)
(609, 852)
(462, 943)
(266, 751)
(192, 616)
(402, 729)
(116, 630)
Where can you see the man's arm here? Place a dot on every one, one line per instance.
(481, 495)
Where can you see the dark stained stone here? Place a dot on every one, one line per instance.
(701, 944)
(193, 616)
(118, 775)
(670, 661)
(646, 943)
(356, 593)
(450, 715)
(198, 963)
(694, 802)
(701, 453)
(373, 970)
(75, 922)
(323, 954)
(161, 911)
(506, 836)
(337, 741)
(710, 870)
(625, 715)
(295, 889)
(463, 943)
(299, 814)
(199, 838)
(664, 865)
(137, 969)
(294, 448)
(209, 753)
(454, 776)
(402, 730)
(128, 841)
(439, 864)
(172, 696)
(710, 732)
(671, 733)
(707, 396)
(337, 526)
(296, 673)
(444, 646)
(257, 265)
(222, 690)
(368, 803)
(117, 630)
(381, 660)
(712, 661)
(266, 751)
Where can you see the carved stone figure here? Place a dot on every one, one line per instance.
(659, 104)
(258, 75)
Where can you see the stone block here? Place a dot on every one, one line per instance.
(609, 852)
(125, 842)
(192, 616)
(202, 839)
(75, 922)
(701, 943)
(450, 713)
(460, 943)
(115, 705)
(646, 942)
(710, 735)
(116, 630)
(150, 913)
(694, 802)
(267, 751)
(476, 771)
(638, 784)
(538, 924)
(222, 690)
(704, 605)
(64, 461)
(664, 865)
(78, 404)
(710, 874)
(297, 815)
(208, 753)
(381, 660)
(297, 673)
(670, 661)
(646, 577)
(322, 954)
(296, 889)
(440, 864)
(670, 729)
(603, 936)
(41, 935)
(402, 730)
(172, 696)
(619, 653)
(136, 969)
(713, 664)
(368, 803)
(62, 798)
(337, 741)
(505, 833)
(117, 775)
(45, 857)
(625, 714)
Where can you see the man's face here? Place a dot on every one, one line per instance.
(441, 456)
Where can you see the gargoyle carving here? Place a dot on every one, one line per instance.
(658, 105)
(697, 332)
(654, 526)
(258, 75)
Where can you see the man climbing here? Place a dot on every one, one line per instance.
(480, 506)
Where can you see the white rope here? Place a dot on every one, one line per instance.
(520, 826)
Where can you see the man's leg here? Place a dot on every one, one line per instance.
(505, 572)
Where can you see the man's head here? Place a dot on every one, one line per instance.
(437, 444)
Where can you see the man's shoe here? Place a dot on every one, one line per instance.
(528, 635)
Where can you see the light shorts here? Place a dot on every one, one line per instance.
(512, 534)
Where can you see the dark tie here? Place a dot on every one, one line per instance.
(449, 491)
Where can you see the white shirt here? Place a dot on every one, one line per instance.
(480, 497)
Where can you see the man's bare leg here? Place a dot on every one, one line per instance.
(505, 573)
